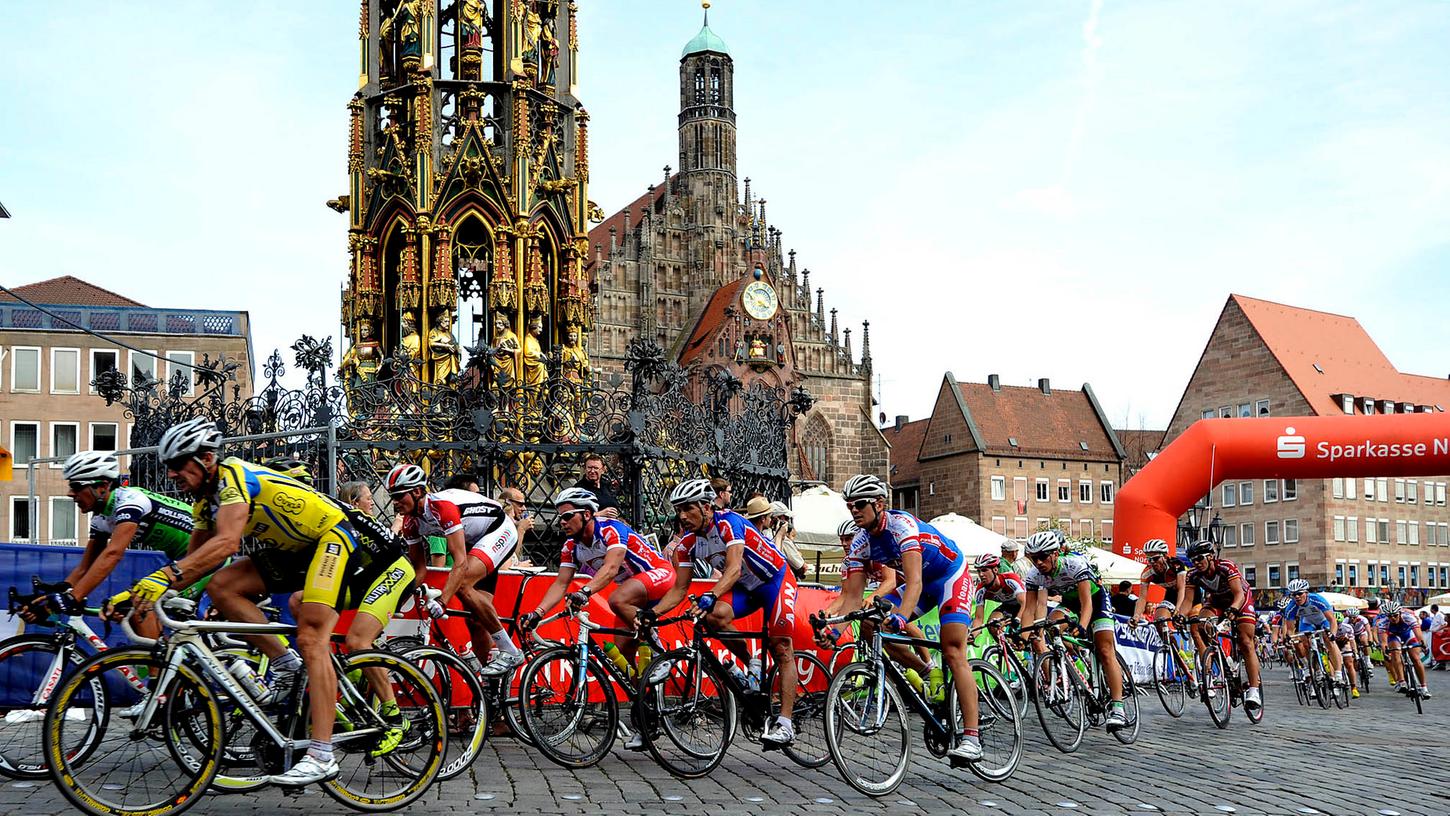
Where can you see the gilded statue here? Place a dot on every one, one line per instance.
(411, 344)
(404, 28)
(536, 370)
(507, 343)
(574, 361)
(361, 362)
(470, 18)
(443, 351)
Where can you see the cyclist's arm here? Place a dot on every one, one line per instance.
(1236, 585)
(613, 562)
(94, 545)
(458, 548)
(105, 561)
(734, 557)
(555, 592)
(684, 572)
(209, 549)
(885, 586)
(853, 590)
(1142, 605)
(911, 592)
(1034, 600)
(1085, 601)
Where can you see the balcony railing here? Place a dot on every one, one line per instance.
(123, 319)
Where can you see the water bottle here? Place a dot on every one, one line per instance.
(643, 656)
(740, 677)
(754, 674)
(618, 657)
(244, 674)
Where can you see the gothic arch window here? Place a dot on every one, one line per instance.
(816, 447)
(714, 95)
(699, 86)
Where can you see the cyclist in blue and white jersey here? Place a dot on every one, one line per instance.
(1310, 612)
(1399, 629)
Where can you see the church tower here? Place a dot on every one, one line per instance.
(467, 208)
(707, 128)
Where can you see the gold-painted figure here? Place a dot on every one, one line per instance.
(443, 351)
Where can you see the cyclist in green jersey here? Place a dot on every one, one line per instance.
(121, 518)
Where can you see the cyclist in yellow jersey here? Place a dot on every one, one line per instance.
(306, 542)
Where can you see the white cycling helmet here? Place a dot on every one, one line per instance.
(864, 486)
(404, 478)
(579, 497)
(1391, 608)
(691, 491)
(1169, 606)
(190, 438)
(92, 466)
(1155, 546)
(1044, 541)
(1298, 585)
(847, 528)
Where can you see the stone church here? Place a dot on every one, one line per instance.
(695, 265)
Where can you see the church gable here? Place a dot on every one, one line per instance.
(743, 325)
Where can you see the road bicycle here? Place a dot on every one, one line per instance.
(156, 750)
(1173, 673)
(866, 705)
(1011, 660)
(1071, 691)
(1320, 682)
(691, 705)
(1221, 672)
(1412, 688)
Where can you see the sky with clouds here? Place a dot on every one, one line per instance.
(1057, 189)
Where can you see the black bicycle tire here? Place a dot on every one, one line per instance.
(533, 725)
(1165, 656)
(1221, 711)
(652, 723)
(793, 750)
(1047, 665)
(833, 739)
(43, 643)
(482, 717)
(985, 667)
(1128, 734)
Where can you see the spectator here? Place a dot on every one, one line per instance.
(594, 481)
(1123, 600)
(1010, 558)
(757, 512)
(722, 493)
(359, 495)
(782, 524)
(463, 481)
(514, 507)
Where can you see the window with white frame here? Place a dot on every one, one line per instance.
(181, 362)
(24, 442)
(20, 519)
(1230, 495)
(1401, 572)
(25, 369)
(1291, 490)
(1445, 575)
(1261, 408)
(1107, 528)
(1384, 530)
(1246, 410)
(1430, 575)
(1367, 405)
(103, 360)
(1351, 488)
(1208, 413)
(1271, 532)
(1382, 487)
(1371, 531)
(64, 441)
(1351, 529)
(65, 371)
(1291, 531)
(1346, 403)
(1085, 491)
(1246, 534)
(1371, 575)
(1399, 491)
(1086, 526)
(1251, 575)
(1226, 412)
(1105, 492)
(143, 367)
(1402, 536)
(1043, 489)
(62, 520)
(1274, 579)
(1019, 488)
(999, 488)
(1339, 573)
(999, 525)
(1369, 493)
(1354, 573)
(1385, 573)
(1291, 571)
(1246, 493)
(104, 436)
(1019, 527)
(1440, 494)
(1271, 490)
(1414, 531)
(1412, 492)
(1064, 491)
(1230, 536)
(1336, 488)
(1339, 528)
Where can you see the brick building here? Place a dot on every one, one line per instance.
(47, 406)
(1012, 458)
(694, 265)
(1359, 535)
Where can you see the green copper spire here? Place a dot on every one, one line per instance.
(706, 40)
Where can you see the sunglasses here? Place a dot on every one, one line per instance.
(1047, 556)
(860, 504)
(176, 464)
(570, 514)
(1198, 558)
(79, 486)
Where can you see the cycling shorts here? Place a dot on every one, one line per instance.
(379, 592)
(1397, 635)
(775, 597)
(1219, 605)
(657, 582)
(1009, 608)
(494, 548)
(1103, 620)
(950, 596)
(322, 572)
(1306, 626)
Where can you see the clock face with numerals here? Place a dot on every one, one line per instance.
(760, 300)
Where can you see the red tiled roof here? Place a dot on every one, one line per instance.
(710, 317)
(600, 234)
(1043, 424)
(905, 450)
(1348, 360)
(70, 291)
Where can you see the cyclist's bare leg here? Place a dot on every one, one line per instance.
(362, 634)
(1250, 654)
(1107, 650)
(783, 650)
(314, 636)
(1392, 664)
(624, 602)
(233, 590)
(954, 654)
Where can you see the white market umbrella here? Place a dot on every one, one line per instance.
(1339, 600)
(1112, 567)
(971, 538)
(1442, 599)
(819, 512)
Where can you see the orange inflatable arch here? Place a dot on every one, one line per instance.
(1214, 450)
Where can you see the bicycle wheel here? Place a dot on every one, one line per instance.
(998, 724)
(1255, 715)
(1412, 680)
(507, 702)
(1323, 685)
(1215, 684)
(687, 713)
(1061, 704)
(1341, 686)
(376, 777)
(866, 730)
(240, 770)
(30, 666)
(464, 702)
(570, 715)
(1006, 664)
(104, 765)
(1301, 685)
(1168, 682)
(809, 718)
(1128, 734)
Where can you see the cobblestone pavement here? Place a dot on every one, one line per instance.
(1299, 761)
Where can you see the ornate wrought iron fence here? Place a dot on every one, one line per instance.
(662, 424)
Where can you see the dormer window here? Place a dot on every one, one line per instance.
(1347, 403)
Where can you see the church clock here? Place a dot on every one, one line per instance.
(760, 300)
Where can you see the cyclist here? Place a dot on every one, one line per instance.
(1344, 640)
(1310, 612)
(1166, 571)
(1071, 576)
(1398, 629)
(120, 518)
(996, 584)
(608, 551)
(1220, 588)
(304, 541)
(752, 575)
(933, 573)
(1362, 629)
(481, 538)
(882, 583)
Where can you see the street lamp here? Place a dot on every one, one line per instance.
(1193, 528)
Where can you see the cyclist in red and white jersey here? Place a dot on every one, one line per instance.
(480, 536)
(1165, 571)
(1223, 591)
(994, 584)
